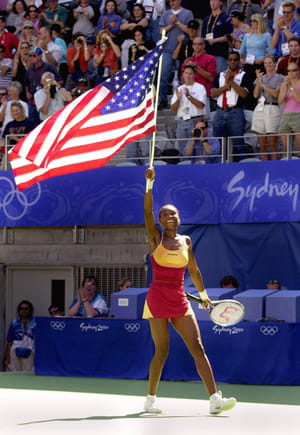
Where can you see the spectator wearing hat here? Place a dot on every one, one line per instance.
(215, 30)
(28, 34)
(188, 101)
(273, 284)
(247, 7)
(184, 47)
(239, 29)
(5, 68)
(81, 86)
(54, 14)
(7, 39)
(52, 52)
(205, 64)
(33, 77)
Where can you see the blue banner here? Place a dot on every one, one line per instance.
(204, 194)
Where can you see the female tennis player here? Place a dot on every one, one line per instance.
(166, 301)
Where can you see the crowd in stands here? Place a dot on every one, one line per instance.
(233, 63)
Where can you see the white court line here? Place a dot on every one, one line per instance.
(49, 412)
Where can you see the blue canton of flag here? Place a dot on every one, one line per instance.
(131, 85)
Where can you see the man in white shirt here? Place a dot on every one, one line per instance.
(51, 52)
(189, 101)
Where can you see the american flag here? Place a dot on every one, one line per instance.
(89, 131)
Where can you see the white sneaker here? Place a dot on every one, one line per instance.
(149, 405)
(219, 404)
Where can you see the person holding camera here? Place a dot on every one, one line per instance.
(83, 15)
(105, 56)
(51, 97)
(202, 150)
(78, 57)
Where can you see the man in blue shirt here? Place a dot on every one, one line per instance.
(287, 26)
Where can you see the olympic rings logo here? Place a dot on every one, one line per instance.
(57, 325)
(132, 327)
(269, 330)
(8, 201)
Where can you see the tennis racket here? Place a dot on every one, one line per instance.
(226, 312)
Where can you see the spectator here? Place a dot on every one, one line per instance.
(141, 45)
(121, 8)
(14, 92)
(77, 59)
(294, 56)
(33, 75)
(16, 17)
(55, 311)
(205, 64)
(33, 15)
(21, 63)
(52, 52)
(7, 39)
(174, 22)
(231, 87)
(51, 97)
(83, 15)
(229, 281)
(289, 96)
(267, 113)
(239, 29)
(287, 26)
(56, 35)
(110, 20)
(137, 18)
(256, 44)
(154, 10)
(28, 34)
(185, 48)
(20, 339)
(247, 7)
(201, 147)
(5, 68)
(88, 303)
(123, 284)
(54, 14)
(215, 30)
(188, 101)
(273, 284)
(81, 86)
(106, 55)
(20, 124)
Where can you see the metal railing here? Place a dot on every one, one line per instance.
(167, 151)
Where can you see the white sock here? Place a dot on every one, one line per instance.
(152, 397)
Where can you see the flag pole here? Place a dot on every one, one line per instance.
(152, 146)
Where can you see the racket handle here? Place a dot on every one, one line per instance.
(194, 298)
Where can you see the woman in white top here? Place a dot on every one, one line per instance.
(14, 91)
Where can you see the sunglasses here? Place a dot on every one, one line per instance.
(32, 55)
(287, 12)
(292, 70)
(198, 43)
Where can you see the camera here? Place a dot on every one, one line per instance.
(105, 40)
(79, 40)
(52, 91)
(196, 132)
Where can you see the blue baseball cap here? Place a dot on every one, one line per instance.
(36, 50)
